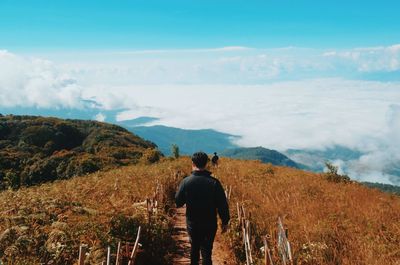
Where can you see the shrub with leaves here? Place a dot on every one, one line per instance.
(175, 151)
(332, 174)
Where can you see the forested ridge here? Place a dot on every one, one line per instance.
(36, 149)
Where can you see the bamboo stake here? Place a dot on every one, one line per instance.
(243, 216)
(246, 249)
(135, 248)
(289, 252)
(149, 208)
(118, 251)
(244, 212)
(248, 232)
(266, 261)
(244, 235)
(108, 255)
(248, 245)
(239, 213)
(82, 254)
(267, 252)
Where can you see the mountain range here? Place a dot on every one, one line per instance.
(260, 153)
(211, 141)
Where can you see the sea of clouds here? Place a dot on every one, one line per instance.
(276, 98)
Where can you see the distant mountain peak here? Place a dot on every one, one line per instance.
(260, 153)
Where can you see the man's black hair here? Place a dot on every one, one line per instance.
(200, 159)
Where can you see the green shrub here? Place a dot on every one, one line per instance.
(4, 130)
(124, 227)
(12, 180)
(332, 174)
(151, 156)
(175, 151)
(37, 135)
(88, 165)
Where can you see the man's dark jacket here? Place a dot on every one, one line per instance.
(203, 196)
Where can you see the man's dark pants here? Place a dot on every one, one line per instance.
(201, 240)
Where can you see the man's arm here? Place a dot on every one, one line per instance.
(180, 196)
(222, 205)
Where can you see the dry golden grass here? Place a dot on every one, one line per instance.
(329, 223)
(85, 209)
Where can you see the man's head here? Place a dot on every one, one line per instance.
(200, 160)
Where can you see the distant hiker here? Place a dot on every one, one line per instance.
(204, 197)
(214, 159)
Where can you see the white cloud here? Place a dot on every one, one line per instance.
(99, 117)
(383, 152)
(277, 98)
(229, 65)
(33, 82)
(174, 51)
(370, 59)
(298, 114)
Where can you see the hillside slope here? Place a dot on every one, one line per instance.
(35, 149)
(329, 223)
(260, 153)
(46, 224)
(189, 141)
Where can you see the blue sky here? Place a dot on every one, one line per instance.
(109, 25)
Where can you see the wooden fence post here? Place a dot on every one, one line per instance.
(243, 212)
(239, 214)
(118, 253)
(266, 260)
(149, 203)
(248, 240)
(135, 248)
(82, 254)
(246, 249)
(284, 244)
(267, 252)
(108, 255)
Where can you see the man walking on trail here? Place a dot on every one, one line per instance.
(204, 197)
(214, 159)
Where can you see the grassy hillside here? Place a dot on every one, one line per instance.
(260, 153)
(384, 187)
(329, 222)
(35, 149)
(47, 223)
(189, 141)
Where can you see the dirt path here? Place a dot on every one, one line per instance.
(221, 253)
